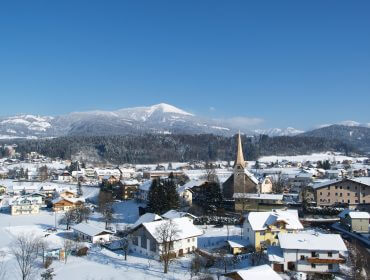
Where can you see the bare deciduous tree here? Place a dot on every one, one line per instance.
(67, 246)
(106, 207)
(166, 233)
(25, 249)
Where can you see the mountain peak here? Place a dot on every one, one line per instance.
(167, 108)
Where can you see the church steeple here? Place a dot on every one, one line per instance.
(239, 156)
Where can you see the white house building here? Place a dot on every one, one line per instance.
(93, 234)
(24, 206)
(147, 242)
(261, 272)
(305, 252)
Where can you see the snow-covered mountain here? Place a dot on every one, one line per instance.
(161, 118)
(289, 131)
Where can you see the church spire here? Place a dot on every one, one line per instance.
(239, 157)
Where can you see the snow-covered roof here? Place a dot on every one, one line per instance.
(315, 241)
(191, 184)
(261, 220)
(90, 229)
(266, 196)
(325, 183)
(261, 272)
(185, 228)
(130, 182)
(146, 218)
(354, 214)
(171, 214)
(237, 244)
(362, 180)
(145, 186)
(251, 176)
(70, 199)
(275, 254)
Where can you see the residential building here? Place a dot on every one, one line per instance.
(307, 252)
(143, 190)
(355, 221)
(265, 185)
(24, 206)
(127, 189)
(147, 242)
(155, 174)
(63, 204)
(261, 229)
(352, 191)
(90, 233)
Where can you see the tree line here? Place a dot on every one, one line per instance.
(154, 148)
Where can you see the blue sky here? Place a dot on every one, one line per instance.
(286, 63)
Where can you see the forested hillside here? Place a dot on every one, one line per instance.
(153, 148)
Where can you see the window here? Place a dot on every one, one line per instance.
(329, 188)
(356, 201)
(188, 240)
(262, 233)
(347, 188)
(329, 200)
(363, 201)
(135, 241)
(348, 194)
(320, 193)
(313, 254)
(336, 187)
(349, 201)
(330, 254)
(153, 246)
(143, 242)
(340, 194)
(302, 257)
(328, 193)
(330, 266)
(194, 238)
(313, 265)
(340, 187)
(336, 194)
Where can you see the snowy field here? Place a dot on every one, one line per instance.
(313, 157)
(99, 264)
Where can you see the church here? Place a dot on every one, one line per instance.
(241, 181)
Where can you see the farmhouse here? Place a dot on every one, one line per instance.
(63, 204)
(93, 234)
(261, 272)
(147, 242)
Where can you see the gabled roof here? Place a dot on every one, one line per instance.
(261, 220)
(90, 229)
(261, 272)
(71, 200)
(185, 228)
(265, 196)
(146, 218)
(171, 214)
(315, 241)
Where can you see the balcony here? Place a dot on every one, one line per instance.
(317, 260)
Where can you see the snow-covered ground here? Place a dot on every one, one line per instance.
(313, 157)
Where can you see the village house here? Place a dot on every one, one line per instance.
(307, 252)
(48, 190)
(258, 202)
(146, 218)
(261, 229)
(100, 174)
(352, 191)
(68, 194)
(63, 204)
(127, 189)
(355, 221)
(90, 233)
(146, 241)
(65, 176)
(143, 190)
(24, 206)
